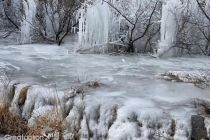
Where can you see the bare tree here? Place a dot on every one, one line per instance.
(192, 29)
(8, 18)
(61, 15)
(206, 26)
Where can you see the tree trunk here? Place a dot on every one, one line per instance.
(131, 48)
(57, 38)
(59, 42)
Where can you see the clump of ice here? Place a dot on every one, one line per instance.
(44, 111)
(14, 104)
(40, 100)
(111, 115)
(106, 117)
(137, 122)
(201, 79)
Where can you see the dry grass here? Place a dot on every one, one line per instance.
(55, 125)
(173, 127)
(10, 123)
(23, 94)
(93, 84)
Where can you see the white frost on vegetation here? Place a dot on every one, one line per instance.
(184, 76)
(41, 101)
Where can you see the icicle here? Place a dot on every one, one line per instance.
(94, 25)
(170, 12)
(30, 11)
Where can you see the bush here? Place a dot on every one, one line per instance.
(11, 124)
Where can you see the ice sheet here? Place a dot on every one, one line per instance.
(130, 104)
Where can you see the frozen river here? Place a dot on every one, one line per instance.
(128, 82)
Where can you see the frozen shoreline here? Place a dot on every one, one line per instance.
(131, 102)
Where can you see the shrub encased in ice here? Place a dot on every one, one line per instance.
(200, 80)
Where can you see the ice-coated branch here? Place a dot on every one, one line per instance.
(204, 12)
(11, 20)
(149, 23)
(119, 12)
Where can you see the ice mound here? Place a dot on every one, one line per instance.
(101, 116)
(201, 80)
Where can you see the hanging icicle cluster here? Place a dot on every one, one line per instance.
(94, 25)
(166, 26)
(100, 23)
(28, 19)
(171, 10)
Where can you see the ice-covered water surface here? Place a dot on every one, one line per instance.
(131, 103)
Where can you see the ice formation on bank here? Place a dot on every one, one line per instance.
(108, 118)
(127, 106)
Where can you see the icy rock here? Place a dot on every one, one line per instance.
(67, 135)
(199, 131)
(22, 96)
(70, 93)
(11, 92)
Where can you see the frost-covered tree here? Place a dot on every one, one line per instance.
(204, 25)
(56, 18)
(165, 26)
(161, 26)
(142, 19)
(50, 20)
(123, 23)
(9, 22)
(193, 28)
